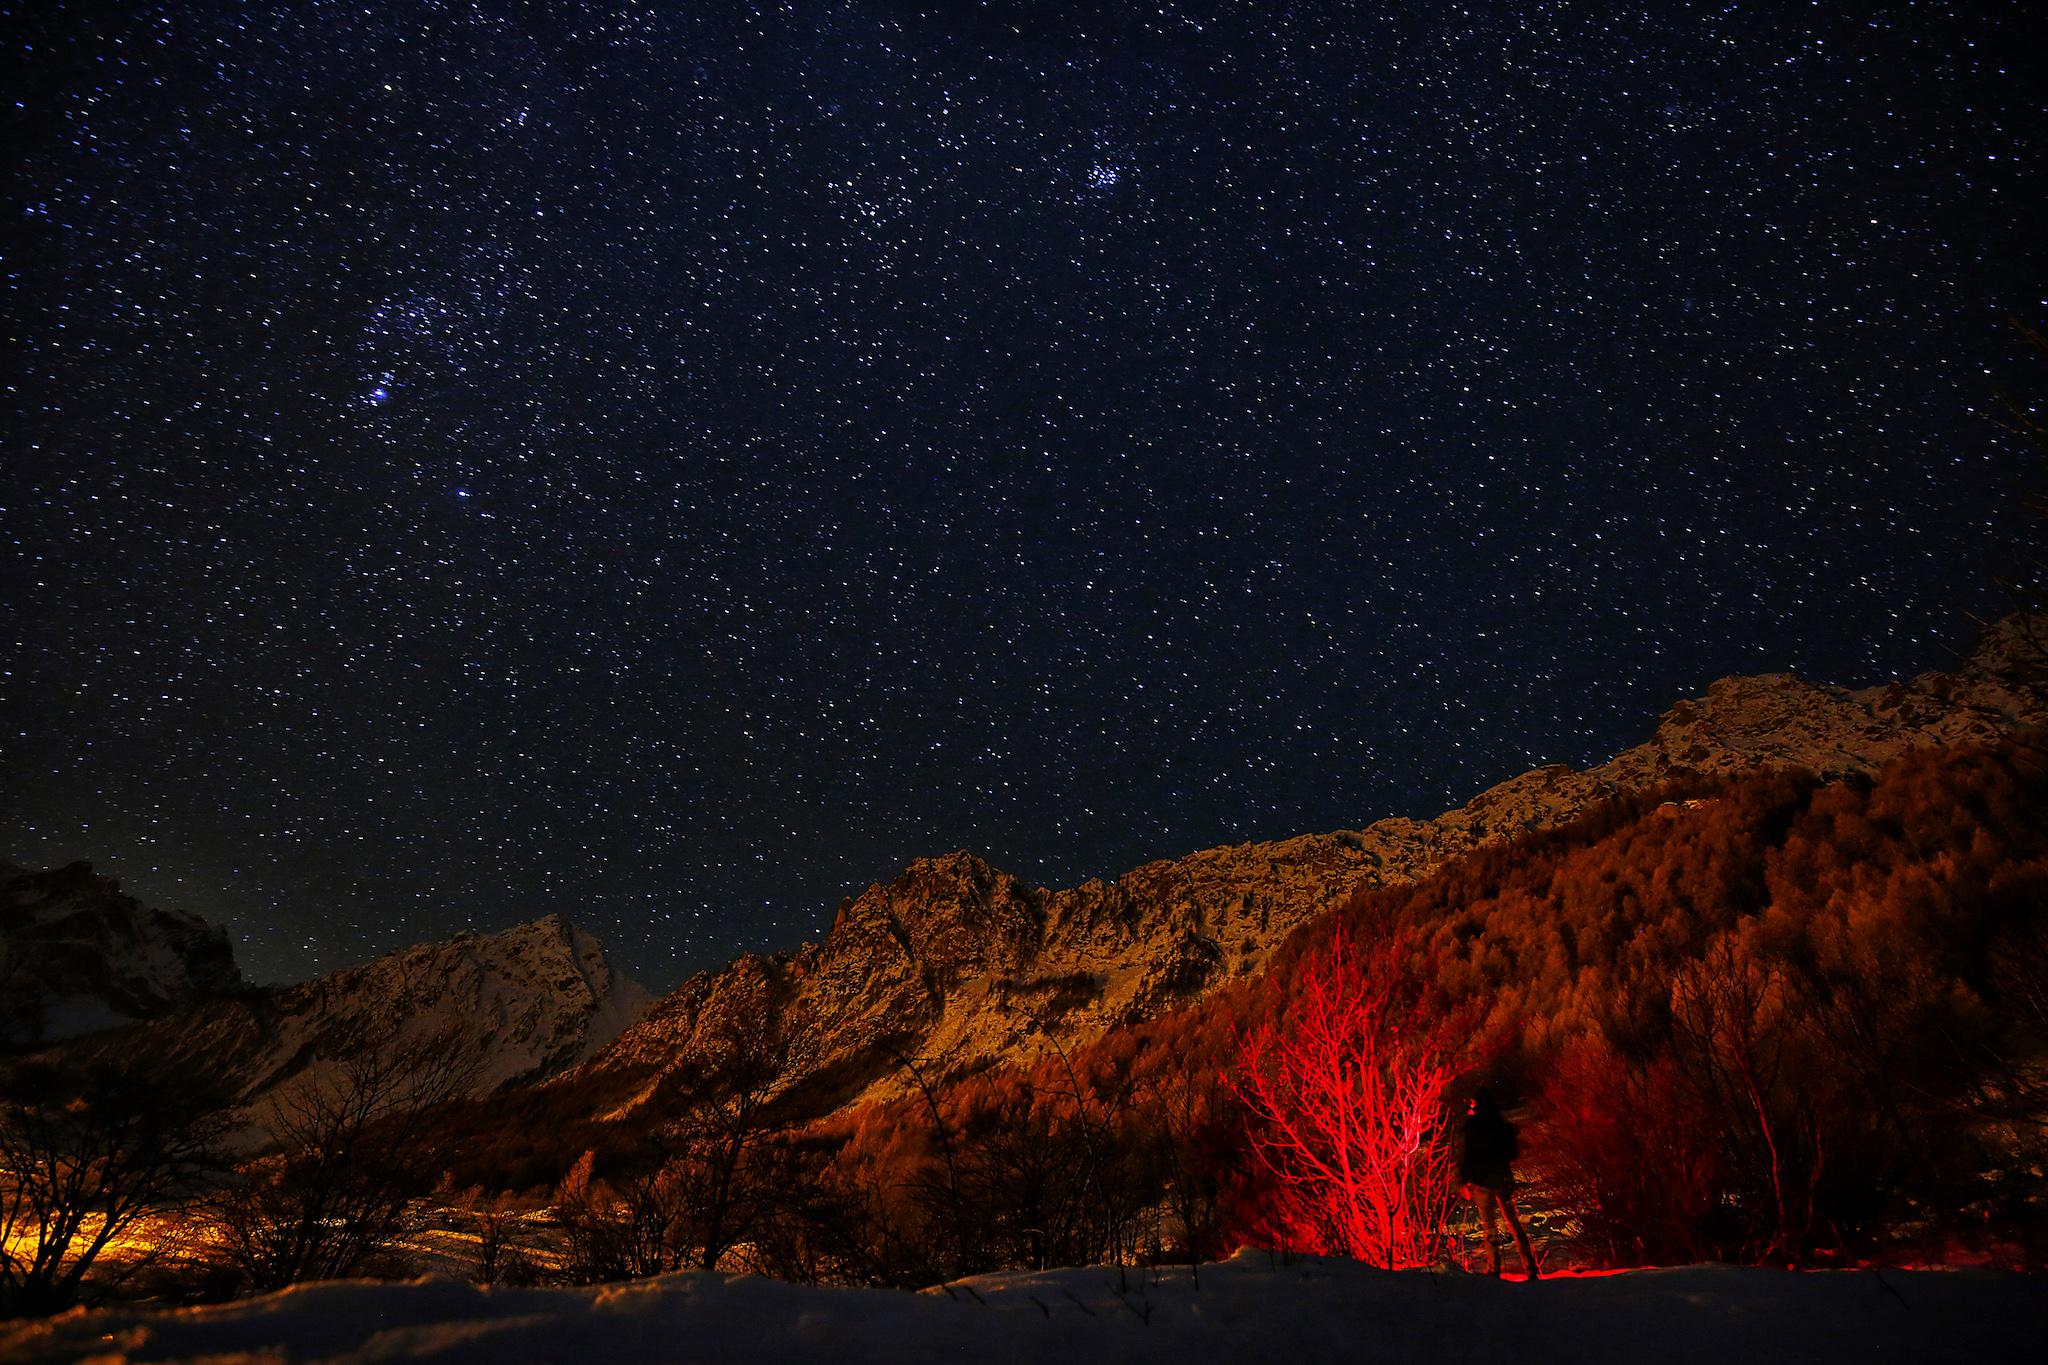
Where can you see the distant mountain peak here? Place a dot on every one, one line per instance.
(77, 955)
(530, 1000)
(524, 1003)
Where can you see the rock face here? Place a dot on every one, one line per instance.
(960, 964)
(77, 956)
(522, 1005)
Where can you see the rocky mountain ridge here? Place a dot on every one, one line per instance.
(77, 955)
(517, 1006)
(960, 964)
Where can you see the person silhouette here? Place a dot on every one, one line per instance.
(1487, 1147)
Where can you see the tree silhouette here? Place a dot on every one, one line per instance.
(82, 1159)
(348, 1164)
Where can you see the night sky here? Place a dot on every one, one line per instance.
(672, 464)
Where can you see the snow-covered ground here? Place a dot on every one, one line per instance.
(1253, 1308)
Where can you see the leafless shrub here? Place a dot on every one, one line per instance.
(707, 1187)
(83, 1160)
(341, 1182)
(621, 1232)
(498, 1258)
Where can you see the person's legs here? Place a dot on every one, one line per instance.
(1485, 1199)
(1463, 1241)
(1507, 1207)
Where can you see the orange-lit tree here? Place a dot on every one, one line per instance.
(1346, 1084)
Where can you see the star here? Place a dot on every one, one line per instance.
(903, 435)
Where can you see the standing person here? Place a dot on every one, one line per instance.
(1486, 1153)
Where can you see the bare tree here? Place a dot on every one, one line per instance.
(499, 1258)
(716, 1143)
(1110, 1188)
(1737, 1026)
(1185, 1100)
(1347, 1089)
(621, 1232)
(947, 1199)
(2011, 1064)
(824, 1224)
(707, 1187)
(349, 1159)
(82, 1160)
(1024, 1179)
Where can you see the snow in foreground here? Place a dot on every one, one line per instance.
(1252, 1308)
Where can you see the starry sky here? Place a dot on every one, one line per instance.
(671, 464)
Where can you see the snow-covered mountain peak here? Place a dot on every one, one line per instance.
(77, 955)
(521, 1005)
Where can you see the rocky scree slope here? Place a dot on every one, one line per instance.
(76, 956)
(958, 964)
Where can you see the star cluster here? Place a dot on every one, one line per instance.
(672, 464)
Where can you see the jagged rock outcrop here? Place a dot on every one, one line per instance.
(76, 956)
(518, 1006)
(961, 965)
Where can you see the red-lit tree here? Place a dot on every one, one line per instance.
(1346, 1083)
(1629, 1155)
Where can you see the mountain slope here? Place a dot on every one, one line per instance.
(76, 956)
(522, 1005)
(961, 964)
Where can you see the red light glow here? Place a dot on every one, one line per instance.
(1347, 1095)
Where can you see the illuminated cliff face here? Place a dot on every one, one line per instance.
(953, 962)
(961, 964)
